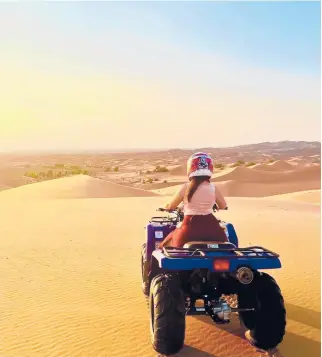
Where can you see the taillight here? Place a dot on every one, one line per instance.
(221, 265)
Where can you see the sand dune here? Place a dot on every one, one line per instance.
(70, 277)
(258, 189)
(244, 182)
(279, 165)
(167, 190)
(296, 160)
(248, 174)
(242, 174)
(163, 185)
(301, 162)
(249, 189)
(4, 187)
(80, 186)
(313, 196)
(261, 167)
(179, 170)
(307, 173)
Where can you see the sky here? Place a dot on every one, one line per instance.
(121, 75)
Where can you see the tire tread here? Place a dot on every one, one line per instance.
(167, 302)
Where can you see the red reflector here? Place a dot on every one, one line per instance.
(221, 265)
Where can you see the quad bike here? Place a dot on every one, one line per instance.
(176, 278)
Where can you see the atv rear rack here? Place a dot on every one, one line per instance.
(233, 253)
(178, 259)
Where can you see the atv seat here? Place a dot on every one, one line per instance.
(209, 244)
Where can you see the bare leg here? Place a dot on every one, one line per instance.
(166, 241)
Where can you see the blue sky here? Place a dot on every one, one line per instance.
(262, 55)
(275, 34)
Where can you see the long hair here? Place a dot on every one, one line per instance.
(194, 183)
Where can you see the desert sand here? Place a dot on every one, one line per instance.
(312, 196)
(279, 165)
(70, 263)
(80, 186)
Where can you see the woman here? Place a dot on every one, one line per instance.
(198, 197)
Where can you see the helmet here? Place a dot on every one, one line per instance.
(200, 164)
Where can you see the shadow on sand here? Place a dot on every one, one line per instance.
(299, 346)
(293, 345)
(304, 316)
(189, 351)
(234, 327)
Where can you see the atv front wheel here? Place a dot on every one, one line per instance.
(168, 314)
(145, 283)
(267, 323)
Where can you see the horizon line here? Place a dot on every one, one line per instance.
(139, 150)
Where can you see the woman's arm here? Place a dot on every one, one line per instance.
(220, 200)
(176, 199)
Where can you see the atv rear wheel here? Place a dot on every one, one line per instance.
(267, 323)
(145, 283)
(168, 314)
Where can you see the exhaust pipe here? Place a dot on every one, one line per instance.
(245, 275)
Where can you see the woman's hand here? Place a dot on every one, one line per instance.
(180, 207)
(220, 200)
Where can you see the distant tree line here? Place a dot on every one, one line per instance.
(161, 169)
(111, 169)
(50, 174)
(76, 167)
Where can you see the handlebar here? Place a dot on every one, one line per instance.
(216, 208)
(176, 210)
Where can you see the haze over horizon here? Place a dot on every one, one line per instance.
(106, 75)
(137, 149)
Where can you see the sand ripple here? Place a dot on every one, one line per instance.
(69, 273)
